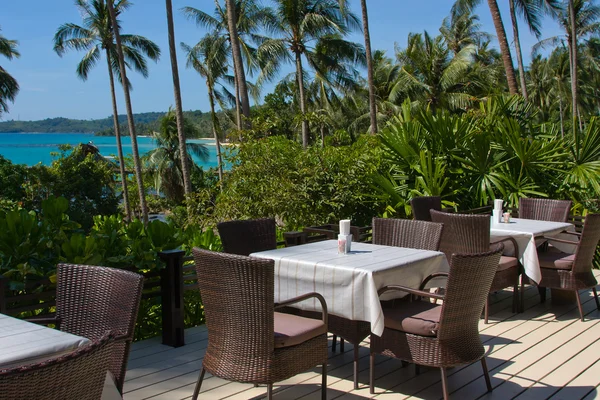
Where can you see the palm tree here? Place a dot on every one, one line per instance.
(165, 158)
(579, 19)
(463, 6)
(95, 37)
(302, 26)
(250, 19)
(130, 122)
(432, 76)
(209, 58)
(187, 184)
(531, 11)
(240, 75)
(8, 85)
(370, 82)
(462, 29)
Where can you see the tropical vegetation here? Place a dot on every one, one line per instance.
(9, 87)
(454, 118)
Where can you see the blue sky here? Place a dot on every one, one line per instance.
(50, 87)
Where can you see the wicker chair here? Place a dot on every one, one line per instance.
(247, 340)
(470, 233)
(78, 375)
(248, 236)
(572, 271)
(544, 209)
(407, 233)
(92, 300)
(441, 336)
(422, 205)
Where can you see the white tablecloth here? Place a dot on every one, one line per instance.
(349, 282)
(23, 342)
(524, 231)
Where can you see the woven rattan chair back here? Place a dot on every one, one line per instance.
(91, 300)
(238, 297)
(78, 375)
(469, 282)
(544, 209)
(422, 205)
(590, 235)
(463, 233)
(407, 233)
(248, 236)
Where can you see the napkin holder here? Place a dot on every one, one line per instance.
(497, 216)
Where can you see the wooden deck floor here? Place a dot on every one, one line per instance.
(544, 353)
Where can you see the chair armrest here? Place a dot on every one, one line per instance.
(430, 277)
(45, 321)
(560, 240)
(508, 239)
(416, 292)
(305, 297)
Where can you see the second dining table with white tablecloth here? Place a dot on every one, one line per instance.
(525, 232)
(23, 342)
(349, 282)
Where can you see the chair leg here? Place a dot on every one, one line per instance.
(334, 344)
(486, 375)
(579, 305)
(444, 383)
(516, 296)
(198, 384)
(596, 297)
(417, 369)
(270, 391)
(356, 366)
(542, 292)
(341, 344)
(486, 309)
(522, 293)
(372, 373)
(324, 382)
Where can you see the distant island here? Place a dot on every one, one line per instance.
(144, 122)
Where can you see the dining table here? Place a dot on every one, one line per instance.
(528, 233)
(23, 342)
(349, 282)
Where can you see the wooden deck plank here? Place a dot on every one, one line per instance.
(544, 352)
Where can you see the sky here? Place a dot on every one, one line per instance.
(50, 87)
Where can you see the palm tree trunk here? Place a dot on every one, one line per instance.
(504, 48)
(118, 137)
(300, 79)
(237, 60)
(183, 155)
(562, 125)
(238, 106)
(372, 106)
(130, 122)
(513, 17)
(213, 114)
(573, 45)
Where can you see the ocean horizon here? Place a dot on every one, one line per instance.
(34, 148)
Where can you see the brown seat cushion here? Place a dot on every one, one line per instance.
(291, 330)
(556, 260)
(417, 317)
(507, 262)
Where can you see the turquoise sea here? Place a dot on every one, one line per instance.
(34, 148)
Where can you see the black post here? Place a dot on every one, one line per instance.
(171, 284)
